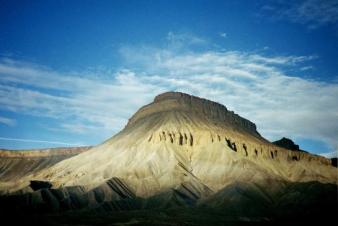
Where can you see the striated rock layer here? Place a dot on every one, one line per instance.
(16, 164)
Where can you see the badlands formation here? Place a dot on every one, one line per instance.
(182, 151)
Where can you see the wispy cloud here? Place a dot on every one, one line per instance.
(87, 103)
(39, 141)
(223, 35)
(333, 154)
(312, 13)
(183, 40)
(257, 86)
(306, 68)
(7, 121)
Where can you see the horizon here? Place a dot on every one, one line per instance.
(72, 73)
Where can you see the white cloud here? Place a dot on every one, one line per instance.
(333, 154)
(81, 104)
(281, 59)
(306, 68)
(39, 141)
(7, 121)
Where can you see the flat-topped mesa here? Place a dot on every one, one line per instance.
(41, 153)
(208, 111)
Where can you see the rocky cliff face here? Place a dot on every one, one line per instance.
(205, 110)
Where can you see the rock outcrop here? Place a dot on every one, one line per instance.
(205, 110)
(287, 143)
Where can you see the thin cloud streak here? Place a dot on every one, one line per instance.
(333, 154)
(39, 141)
(8, 121)
(312, 13)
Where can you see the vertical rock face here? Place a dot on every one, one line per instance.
(202, 110)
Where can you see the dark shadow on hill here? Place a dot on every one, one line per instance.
(113, 203)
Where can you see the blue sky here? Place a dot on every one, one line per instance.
(73, 72)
